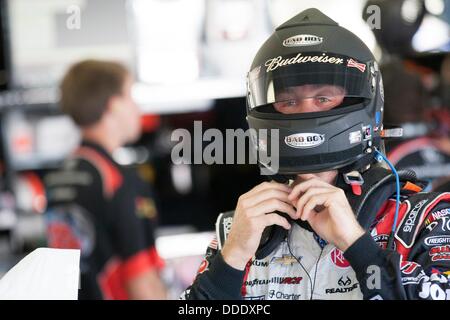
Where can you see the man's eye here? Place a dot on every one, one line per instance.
(291, 103)
(323, 99)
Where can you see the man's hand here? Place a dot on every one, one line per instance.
(254, 212)
(327, 210)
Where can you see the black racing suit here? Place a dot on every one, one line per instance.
(109, 213)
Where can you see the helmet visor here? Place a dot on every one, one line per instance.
(303, 83)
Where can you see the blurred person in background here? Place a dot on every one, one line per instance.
(442, 115)
(415, 90)
(409, 104)
(96, 205)
(337, 223)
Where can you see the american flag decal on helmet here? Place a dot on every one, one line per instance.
(354, 64)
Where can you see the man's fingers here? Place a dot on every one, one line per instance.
(263, 195)
(305, 185)
(274, 218)
(272, 205)
(269, 185)
(307, 196)
(314, 201)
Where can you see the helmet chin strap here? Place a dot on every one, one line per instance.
(352, 175)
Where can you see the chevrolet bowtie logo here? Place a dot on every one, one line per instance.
(285, 260)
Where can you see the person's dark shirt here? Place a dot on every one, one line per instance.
(108, 212)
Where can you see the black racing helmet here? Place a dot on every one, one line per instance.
(320, 86)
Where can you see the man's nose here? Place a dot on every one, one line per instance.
(307, 105)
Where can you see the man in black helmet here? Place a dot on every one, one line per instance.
(337, 224)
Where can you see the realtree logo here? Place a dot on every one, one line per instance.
(344, 282)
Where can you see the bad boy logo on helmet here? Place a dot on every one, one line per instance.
(302, 40)
(304, 140)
